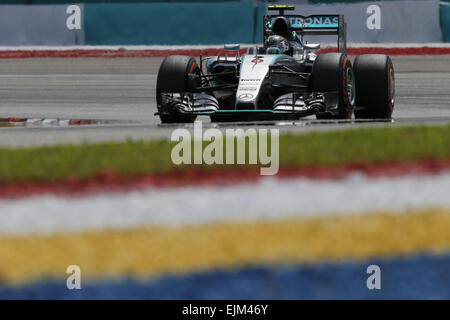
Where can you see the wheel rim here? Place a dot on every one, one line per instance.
(392, 85)
(350, 84)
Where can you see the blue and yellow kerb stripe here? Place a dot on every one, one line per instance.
(324, 258)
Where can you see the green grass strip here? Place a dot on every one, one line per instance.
(368, 145)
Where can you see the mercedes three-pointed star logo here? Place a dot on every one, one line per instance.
(246, 96)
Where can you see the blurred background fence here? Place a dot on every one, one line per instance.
(202, 22)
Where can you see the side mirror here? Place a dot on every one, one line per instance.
(232, 47)
(312, 46)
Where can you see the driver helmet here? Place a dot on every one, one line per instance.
(277, 45)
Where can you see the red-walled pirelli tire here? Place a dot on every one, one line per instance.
(375, 86)
(173, 77)
(334, 72)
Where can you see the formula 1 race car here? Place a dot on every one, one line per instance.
(284, 78)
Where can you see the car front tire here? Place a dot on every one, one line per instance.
(173, 77)
(375, 86)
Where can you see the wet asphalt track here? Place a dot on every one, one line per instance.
(121, 91)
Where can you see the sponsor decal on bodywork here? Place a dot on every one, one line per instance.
(253, 71)
(309, 21)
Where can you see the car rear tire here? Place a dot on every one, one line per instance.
(173, 77)
(334, 72)
(375, 87)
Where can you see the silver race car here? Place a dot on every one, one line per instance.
(284, 78)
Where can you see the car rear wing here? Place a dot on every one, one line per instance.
(318, 25)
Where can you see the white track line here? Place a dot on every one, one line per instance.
(194, 47)
(270, 199)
